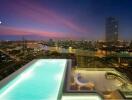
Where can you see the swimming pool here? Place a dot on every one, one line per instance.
(39, 80)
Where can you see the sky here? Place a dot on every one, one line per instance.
(63, 19)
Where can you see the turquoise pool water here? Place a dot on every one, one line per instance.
(40, 81)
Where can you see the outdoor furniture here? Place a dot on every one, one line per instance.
(83, 83)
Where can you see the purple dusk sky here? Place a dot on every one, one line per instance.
(64, 19)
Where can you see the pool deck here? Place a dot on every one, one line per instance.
(106, 88)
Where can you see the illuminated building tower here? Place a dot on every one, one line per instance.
(111, 29)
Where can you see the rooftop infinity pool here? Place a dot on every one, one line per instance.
(39, 80)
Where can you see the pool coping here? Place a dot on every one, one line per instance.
(60, 93)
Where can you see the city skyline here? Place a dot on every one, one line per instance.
(63, 19)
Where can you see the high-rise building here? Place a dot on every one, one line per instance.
(111, 29)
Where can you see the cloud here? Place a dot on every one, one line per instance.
(43, 15)
(4, 30)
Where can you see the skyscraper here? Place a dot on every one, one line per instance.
(111, 29)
